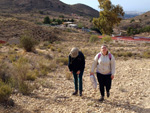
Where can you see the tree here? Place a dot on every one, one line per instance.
(109, 16)
(59, 21)
(47, 20)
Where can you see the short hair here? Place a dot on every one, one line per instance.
(104, 45)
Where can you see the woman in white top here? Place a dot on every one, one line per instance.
(105, 64)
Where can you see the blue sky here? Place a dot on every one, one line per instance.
(128, 5)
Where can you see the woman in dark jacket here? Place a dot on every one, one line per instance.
(76, 66)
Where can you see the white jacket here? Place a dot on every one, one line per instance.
(104, 64)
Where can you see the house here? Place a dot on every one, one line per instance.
(72, 25)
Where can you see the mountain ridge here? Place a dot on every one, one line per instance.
(15, 6)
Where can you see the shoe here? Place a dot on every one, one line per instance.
(75, 93)
(80, 93)
(108, 94)
(101, 99)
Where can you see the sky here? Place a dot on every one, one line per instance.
(128, 5)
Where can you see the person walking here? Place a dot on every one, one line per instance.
(105, 63)
(76, 65)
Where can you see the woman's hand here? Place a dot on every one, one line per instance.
(91, 73)
(78, 72)
(112, 77)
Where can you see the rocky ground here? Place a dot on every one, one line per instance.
(130, 91)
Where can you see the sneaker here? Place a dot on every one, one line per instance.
(108, 94)
(75, 93)
(80, 93)
(101, 99)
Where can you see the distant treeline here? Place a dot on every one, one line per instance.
(54, 21)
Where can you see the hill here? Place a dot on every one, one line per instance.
(131, 14)
(137, 22)
(48, 6)
(11, 28)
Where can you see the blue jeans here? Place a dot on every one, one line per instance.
(76, 79)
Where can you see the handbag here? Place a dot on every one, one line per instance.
(93, 80)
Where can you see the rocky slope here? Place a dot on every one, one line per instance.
(16, 6)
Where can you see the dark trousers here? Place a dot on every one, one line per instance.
(104, 81)
(76, 79)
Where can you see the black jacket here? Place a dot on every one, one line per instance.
(77, 63)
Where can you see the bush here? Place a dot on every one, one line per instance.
(132, 21)
(5, 91)
(80, 25)
(106, 39)
(27, 42)
(64, 61)
(32, 75)
(146, 54)
(20, 69)
(93, 38)
(25, 88)
(47, 20)
(69, 75)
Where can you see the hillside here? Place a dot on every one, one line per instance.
(52, 93)
(14, 28)
(17, 6)
(137, 22)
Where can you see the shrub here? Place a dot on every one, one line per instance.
(93, 38)
(129, 54)
(46, 66)
(68, 75)
(62, 60)
(19, 71)
(59, 50)
(61, 16)
(27, 42)
(13, 57)
(106, 39)
(52, 48)
(5, 91)
(80, 25)
(25, 88)
(32, 75)
(132, 21)
(146, 54)
(47, 20)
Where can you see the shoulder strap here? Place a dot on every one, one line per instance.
(99, 55)
(109, 56)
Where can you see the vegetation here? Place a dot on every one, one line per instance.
(47, 20)
(93, 38)
(133, 31)
(80, 25)
(62, 60)
(132, 21)
(106, 39)
(109, 16)
(146, 54)
(58, 21)
(5, 91)
(27, 42)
